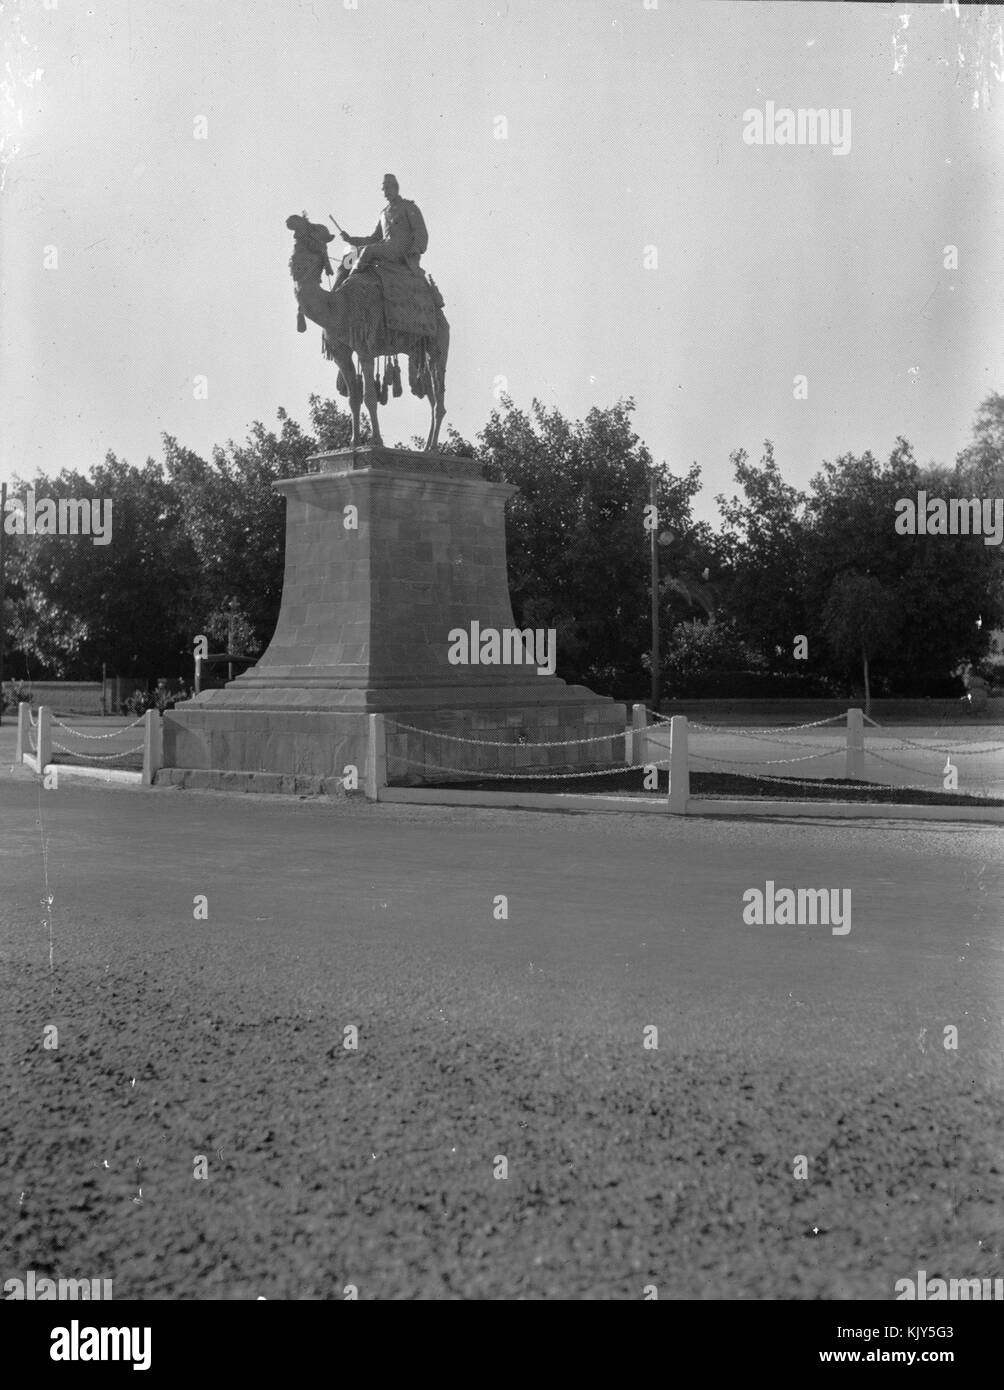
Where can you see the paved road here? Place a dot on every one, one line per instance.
(481, 1039)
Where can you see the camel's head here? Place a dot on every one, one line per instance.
(305, 230)
(310, 239)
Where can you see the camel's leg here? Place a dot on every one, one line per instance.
(345, 364)
(437, 385)
(436, 405)
(370, 395)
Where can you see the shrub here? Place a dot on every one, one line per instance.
(13, 693)
(160, 699)
(139, 702)
(754, 685)
(701, 651)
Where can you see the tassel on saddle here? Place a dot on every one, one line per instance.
(301, 322)
(395, 377)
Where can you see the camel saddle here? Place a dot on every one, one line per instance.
(389, 301)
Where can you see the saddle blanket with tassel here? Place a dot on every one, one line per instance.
(409, 304)
(389, 307)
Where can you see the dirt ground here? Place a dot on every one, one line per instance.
(501, 1129)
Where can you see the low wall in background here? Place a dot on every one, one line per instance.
(80, 697)
(84, 697)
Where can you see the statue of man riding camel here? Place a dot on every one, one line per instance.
(381, 305)
(400, 235)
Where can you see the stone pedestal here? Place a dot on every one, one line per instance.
(387, 551)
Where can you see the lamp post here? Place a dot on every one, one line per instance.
(658, 538)
(3, 591)
(654, 534)
(3, 588)
(233, 606)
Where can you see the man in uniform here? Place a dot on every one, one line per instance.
(400, 235)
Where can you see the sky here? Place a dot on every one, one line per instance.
(599, 226)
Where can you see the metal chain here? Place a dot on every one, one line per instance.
(763, 738)
(488, 743)
(785, 728)
(904, 767)
(958, 751)
(934, 748)
(969, 752)
(764, 762)
(471, 775)
(988, 781)
(78, 733)
(761, 777)
(32, 722)
(98, 757)
(773, 729)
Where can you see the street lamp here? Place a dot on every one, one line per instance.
(233, 605)
(3, 588)
(665, 538)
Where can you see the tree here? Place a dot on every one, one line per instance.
(78, 605)
(979, 468)
(979, 472)
(762, 552)
(187, 536)
(577, 544)
(860, 618)
(941, 584)
(236, 520)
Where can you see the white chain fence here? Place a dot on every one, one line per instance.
(79, 733)
(961, 748)
(919, 772)
(772, 734)
(98, 757)
(474, 775)
(733, 729)
(764, 762)
(509, 743)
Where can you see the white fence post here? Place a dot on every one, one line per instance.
(636, 745)
(376, 758)
(854, 765)
(679, 765)
(44, 737)
(23, 725)
(153, 746)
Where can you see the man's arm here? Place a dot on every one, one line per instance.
(365, 240)
(419, 234)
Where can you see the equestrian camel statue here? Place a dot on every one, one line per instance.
(354, 330)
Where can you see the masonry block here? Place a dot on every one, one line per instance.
(363, 627)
